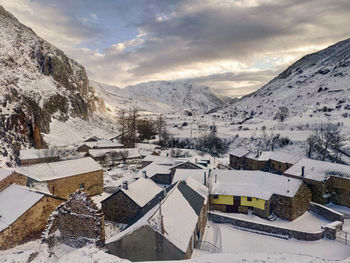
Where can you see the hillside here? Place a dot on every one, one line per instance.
(179, 95)
(318, 85)
(38, 83)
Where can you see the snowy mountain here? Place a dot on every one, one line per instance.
(318, 85)
(38, 83)
(121, 99)
(179, 95)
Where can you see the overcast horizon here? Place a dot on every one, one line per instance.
(233, 46)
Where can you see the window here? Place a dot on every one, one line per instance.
(215, 197)
(81, 185)
(249, 199)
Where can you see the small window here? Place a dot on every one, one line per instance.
(249, 199)
(81, 185)
(215, 197)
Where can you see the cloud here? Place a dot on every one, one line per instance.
(234, 46)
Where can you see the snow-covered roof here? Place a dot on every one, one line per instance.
(153, 169)
(159, 159)
(15, 200)
(199, 187)
(239, 152)
(179, 219)
(263, 156)
(252, 183)
(319, 170)
(132, 152)
(62, 169)
(38, 153)
(179, 216)
(103, 144)
(283, 157)
(183, 174)
(142, 191)
(276, 156)
(4, 173)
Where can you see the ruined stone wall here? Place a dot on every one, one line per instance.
(76, 223)
(326, 212)
(64, 187)
(14, 178)
(30, 225)
(120, 208)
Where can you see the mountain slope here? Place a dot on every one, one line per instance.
(179, 95)
(318, 85)
(38, 82)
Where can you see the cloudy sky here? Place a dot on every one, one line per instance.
(234, 46)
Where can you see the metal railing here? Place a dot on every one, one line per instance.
(343, 237)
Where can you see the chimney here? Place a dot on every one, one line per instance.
(144, 173)
(215, 178)
(164, 190)
(257, 153)
(162, 230)
(303, 171)
(125, 185)
(205, 178)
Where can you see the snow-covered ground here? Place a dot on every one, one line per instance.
(242, 242)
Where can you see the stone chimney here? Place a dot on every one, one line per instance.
(144, 173)
(215, 178)
(303, 171)
(125, 185)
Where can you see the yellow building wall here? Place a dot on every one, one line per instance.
(223, 200)
(256, 202)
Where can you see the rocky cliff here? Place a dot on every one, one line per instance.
(38, 82)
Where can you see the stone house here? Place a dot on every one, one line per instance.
(23, 214)
(8, 177)
(35, 156)
(125, 204)
(160, 173)
(157, 159)
(102, 144)
(63, 178)
(200, 175)
(103, 155)
(265, 194)
(184, 165)
(274, 162)
(169, 231)
(329, 182)
(75, 223)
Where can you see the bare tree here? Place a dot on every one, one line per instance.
(161, 129)
(327, 137)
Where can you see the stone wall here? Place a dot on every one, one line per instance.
(278, 167)
(301, 201)
(39, 160)
(267, 229)
(120, 208)
(13, 178)
(236, 162)
(64, 187)
(326, 212)
(145, 244)
(340, 190)
(76, 223)
(30, 225)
